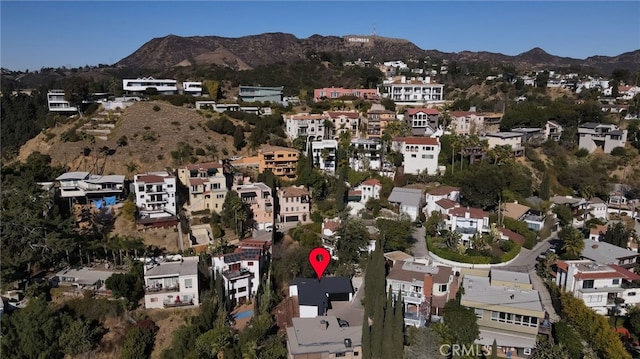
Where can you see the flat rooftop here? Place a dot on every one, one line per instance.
(321, 335)
(186, 266)
(478, 292)
(508, 276)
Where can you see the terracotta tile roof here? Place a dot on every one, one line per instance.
(518, 238)
(562, 265)
(334, 114)
(599, 228)
(371, 182)
(293, 192)
(446, 203)
(197, 181)
(626, 274)
(355, 193)
(442, 190)
(428, 111)
(473, 212)
(306, 117)
(331, 225)
(417, 140)
(598, 275)
(150, 179)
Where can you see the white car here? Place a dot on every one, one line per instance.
(268, 227)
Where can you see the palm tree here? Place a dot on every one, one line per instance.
(573, 243)
(452, 239)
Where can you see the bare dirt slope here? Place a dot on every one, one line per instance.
(151, 136)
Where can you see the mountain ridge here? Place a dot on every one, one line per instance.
(247, 52)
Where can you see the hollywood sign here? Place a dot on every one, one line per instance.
(357, 39)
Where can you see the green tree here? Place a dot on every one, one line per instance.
(78, 337)
(462, 322)
(572, 242)
(353, 237)
(397, 233)
(494, 350)
(139, 340)
(565, 216)
(545, 349)
(432, 225)
(32, 332)
(632, 320)
(545, 189)
(234, 212)
(238, 139)
(617, 234)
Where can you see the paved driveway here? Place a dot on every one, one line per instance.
(352, 312)
(419, 248)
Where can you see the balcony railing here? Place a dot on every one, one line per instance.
(174, 304)
(243, 272)
(413, 297)
(466, 230)
(161, 289)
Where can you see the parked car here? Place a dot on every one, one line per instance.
(268, 227)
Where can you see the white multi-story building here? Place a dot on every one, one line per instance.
(171, 284)
(324, 155)
(437, 194)
(304, 124)
(467, 122)
(602, 287)
(425, 289)
(420, 90)
(367, 154)
(57, 103)
(155, 195)
(84, 186)
(420, 154)
(553, 131)
(140, 85)
(370, 189)
(193, 88)
(468, 222)
(242, 270)
(605, 136)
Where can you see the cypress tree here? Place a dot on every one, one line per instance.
(366, 338)
(398, 327)
(545, 190)
(377, 330)
(494, 350)
(389, 347)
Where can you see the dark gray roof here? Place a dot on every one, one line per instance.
(616, 133)
(314, 292)
(590, 125)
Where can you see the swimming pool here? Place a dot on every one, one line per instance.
(245, 314)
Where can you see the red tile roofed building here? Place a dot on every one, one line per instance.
(420, 154)
(600, 286)
(597, 233)
(369, 189)
(420, 119)
(414, 90)
(443, 192)
(509, 234)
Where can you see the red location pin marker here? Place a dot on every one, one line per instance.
(319, 259)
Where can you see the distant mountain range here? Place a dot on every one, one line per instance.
(248, 52)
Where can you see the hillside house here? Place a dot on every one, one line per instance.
(170, 284)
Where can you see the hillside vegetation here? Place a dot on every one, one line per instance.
(142, 139)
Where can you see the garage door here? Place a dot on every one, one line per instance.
(291, 219)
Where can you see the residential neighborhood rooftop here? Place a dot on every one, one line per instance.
(406, 196)
(321, 334)
(185, 266)
(480, 291)
(605, 253)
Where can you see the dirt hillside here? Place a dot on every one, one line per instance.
(151, 136)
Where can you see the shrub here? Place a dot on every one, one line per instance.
(156, 108)
(149, 136)
(619, 151)
(200, 151)
(582, 152)
(456, 257)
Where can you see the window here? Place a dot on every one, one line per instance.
(340, 355)
(595, 299)
(169, 186)
(188, 283)
(443, 287)
(355, 354)
(479, 313)
(631, 294)
(587, 284)
(413, 156)
(242, 289)
(616, 281)
(250, 264)
(154, 300)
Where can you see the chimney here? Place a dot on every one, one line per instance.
(427, 288)
(467, 214)
(472, 109)
(324, 324)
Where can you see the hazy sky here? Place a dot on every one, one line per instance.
(76, 33)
